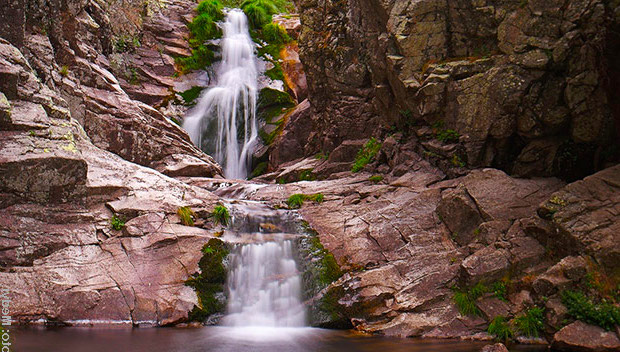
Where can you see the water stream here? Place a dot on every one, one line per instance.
(223, 123)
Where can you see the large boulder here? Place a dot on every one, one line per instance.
(581, 337)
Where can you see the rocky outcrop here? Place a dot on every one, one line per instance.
(498, 347)
(581, 337)
(76, 49)
(522, 86)
(60, 255)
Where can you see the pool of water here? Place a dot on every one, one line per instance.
(229, 340)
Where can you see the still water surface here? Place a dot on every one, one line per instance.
(229, 340)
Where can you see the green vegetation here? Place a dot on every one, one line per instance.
(322, 156)
(297, 200)
(202, 28)
(273, 103)
(329, 269)
(64, 71)
(189, 96)
(366, 154)
(126, 43)
(259, 169)
(187, 216)
(457, 161)
(447, 136)
(531, 323)
(604, 314)
(210, 282)
(274, 33)
(220, 215)
(500, 329)
(500, 290)
(117, 223)
(307, 175)
(466, 300)
(375, 178)
(259, 12)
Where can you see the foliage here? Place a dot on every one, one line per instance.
(259, 12)
(366, 154)
(306, 175)
(189, 96)
(375, 178)
(603, 314)
(297, 200)
(530, 323)
(201, 57)
(457, 161)
(466, 300)
(126, 43)
(500, 290)
(322, 156)
(187, 216)
(117, 223)
(259, 169)
(210, 281)
(274, 33)
(220, 215)
(213, 8)
(500, 329)
(64, 71)
(202, 28)
(447, 136)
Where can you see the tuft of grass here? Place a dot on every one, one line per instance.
(297, 200)
(187, 216)
(366, 155)
(259, 12)
(466, 300)
(375, 178)
(500, 290)
(500, 328)
(220, 215)
(448, 136)
(189, 96)
(307, 175)
(531, 323)
(64, 71)
(457, 161)
(117, 223)
(603, 314)
(322, 156)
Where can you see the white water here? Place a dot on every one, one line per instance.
(264, 287)
(226, 113)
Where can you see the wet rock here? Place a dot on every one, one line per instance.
(498, 347)
(579, 336)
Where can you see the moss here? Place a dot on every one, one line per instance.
(125, 43)
(297, 200)
(447, 136)
(557, 201)
(202, 28)
(189, 96)
(64, 71)
(500, 328)
(260, 169)
(375, 178)
(209, 282)
(531, 323)
(322, 156)
(201, 57)
(272, 103)
(457, 161)
(274, 33)
(500, 290)
(366, 155)
(187, 216)
(220, 215)
(259, 12)
(117, 223)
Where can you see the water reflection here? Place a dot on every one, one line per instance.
(224, 339)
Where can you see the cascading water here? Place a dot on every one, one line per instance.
(223, 123)
(264, 287)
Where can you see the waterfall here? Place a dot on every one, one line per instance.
(223, 123)
(264, 287)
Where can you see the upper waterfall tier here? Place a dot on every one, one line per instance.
(223, 123)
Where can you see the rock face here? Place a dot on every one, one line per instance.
(580, 337)
(59, 190)
(521, 84)
(98, 65)
(498, 347)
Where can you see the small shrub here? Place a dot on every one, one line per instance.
(366, 155)
(448, 136)
(530, 323)
(64, 71)
(375, 178)
(500, 328)
(187, 216)
(603, 314)
(306, 175)
(457, 161)
(500, 290)
(117, 223)
(220, 215)
(322, 156)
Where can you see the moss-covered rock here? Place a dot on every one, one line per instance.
(209, 282)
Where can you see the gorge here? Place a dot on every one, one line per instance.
(346, 175)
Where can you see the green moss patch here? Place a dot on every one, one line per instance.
(297, 200)
(189, 96)
(209, 282)
(366, 155)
